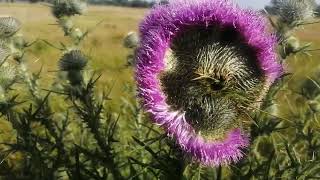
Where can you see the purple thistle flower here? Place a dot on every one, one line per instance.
(200, 65)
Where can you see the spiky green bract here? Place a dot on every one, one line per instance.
(73, 60)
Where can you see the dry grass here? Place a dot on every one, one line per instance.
(104, 44)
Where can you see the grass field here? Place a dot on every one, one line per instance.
(104, 43)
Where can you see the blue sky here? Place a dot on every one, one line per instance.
(256, 4)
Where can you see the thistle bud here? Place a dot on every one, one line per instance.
(66, 23)
(68, 8)
(73, 60)
(131, 40)
(19, 42)
(8, 75)
(293, 12)
(8, 26)
(290, 46)
(131, 60)
(76, 34)
(79, 6)
(4, 52)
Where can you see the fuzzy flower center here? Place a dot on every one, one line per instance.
(213, 76)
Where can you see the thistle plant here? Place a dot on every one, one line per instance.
(291, 16)
(131, 42)
(14, 46)
(168, 87)
(210, 76)
(61, 8)
(64, 10)
(43, 136)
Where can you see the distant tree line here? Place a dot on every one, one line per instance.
(129, 3)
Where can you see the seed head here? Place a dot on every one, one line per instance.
(73, 60)
(8, 26)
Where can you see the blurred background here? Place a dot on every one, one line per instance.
(108, 22)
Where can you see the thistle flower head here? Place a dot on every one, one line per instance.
(294, 11)
(68, 8)
(9, 26)
(73, 60)
(202, 67)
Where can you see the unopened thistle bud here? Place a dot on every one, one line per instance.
(131, 60)
(68, 8)
(293, 12)
(66, 24)
(202, 67)
(4, 52)
(19, 42)
(8, 26)
(77, 35)
(8, 76)
(291, 45)
(79, 6)
(73, 60)
(131, 40)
